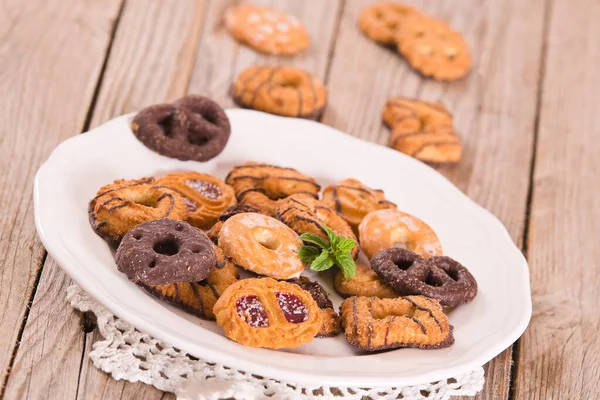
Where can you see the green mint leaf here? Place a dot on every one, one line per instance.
(322, 262)
(346, 263)
(346, 245)
(308, 253)
(315, 239)
(333, 238)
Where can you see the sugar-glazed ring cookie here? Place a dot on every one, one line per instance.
(215, 231)
(373, 324)
(263, 312)
(124, 204)
(380, 21)
(365, 283)
(165, 251)
(441, 278)
(263, 245)
(199, 298)
(433, 48)
(266, 29)
(353, 200)
(192, 128)
(303, 213)
(260, 185)
(330, 320)
(205, 196)
(388, 228)
(287, 91)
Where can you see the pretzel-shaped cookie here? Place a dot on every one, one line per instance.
(260, 185)
(373, 324)
(303, 213)
(262, 312)
(193, 128)
(439, 277)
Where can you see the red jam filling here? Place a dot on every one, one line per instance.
(293, 308)
(206, 189)
(252, 311)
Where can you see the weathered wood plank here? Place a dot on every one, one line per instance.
(150, 61)
(51, 54)
(560, 354)
(494, 107)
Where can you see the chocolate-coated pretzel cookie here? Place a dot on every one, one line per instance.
(192, 128)
(373, 324)
(331, 323)
(261, 185)
(165, 251)
(439, 277)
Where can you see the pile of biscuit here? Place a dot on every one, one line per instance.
(186, 236)
(420, 129)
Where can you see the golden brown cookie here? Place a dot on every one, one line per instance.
(266, 29)
(262, 312)
(206, 196)
(366, 283)
(303, 213)
(353, 200)
(331, 324)
(199, 298)
(426, 146)
(384, 229)
(373, 324)
(124, 204)
(213, 233)
(262, 244)
(260, 185)
(433, 48)
(380, 21)
(287, 91)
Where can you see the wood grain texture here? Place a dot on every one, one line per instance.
(150, 62)
(51, 53)
(560, 352)
(494, 107)
(220, 58)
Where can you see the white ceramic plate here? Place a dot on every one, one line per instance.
(470, 234)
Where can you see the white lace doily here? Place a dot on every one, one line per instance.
(128, 354)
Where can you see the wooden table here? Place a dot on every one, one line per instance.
(528, 116)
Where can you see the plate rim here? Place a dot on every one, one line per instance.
(78, 275)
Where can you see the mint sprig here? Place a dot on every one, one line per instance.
(323, 254)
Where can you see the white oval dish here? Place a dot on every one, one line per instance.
(484, 328)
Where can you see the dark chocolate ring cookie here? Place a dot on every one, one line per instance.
(193, 128)
(438, 277)
(165, 251)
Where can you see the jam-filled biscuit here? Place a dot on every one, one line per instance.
(380, 21)
(287, 91)
(353, 200)
(330, 320)
(387, 228)
(263, 245)
(262, 312)
(373, 324)
(215, 231)
(433, 48)
(365, 283)
(124, 204)
(303, 213)
(441, 278)
(266, 29)
(165, 251)
(199, 298)
(206, 196)
(261, 185)
(192, 128)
